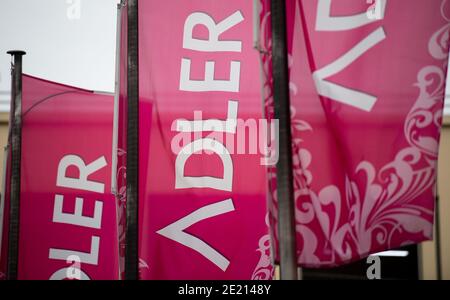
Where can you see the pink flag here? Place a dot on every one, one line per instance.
(202, 215)
(367, 90)
(68, 227)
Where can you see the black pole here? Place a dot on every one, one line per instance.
(438, 238)
(131, 251)
(285, 191)
(16, 150)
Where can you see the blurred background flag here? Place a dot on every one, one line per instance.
(68, 227)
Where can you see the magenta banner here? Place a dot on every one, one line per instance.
(367, 88)
(202, 210)
(68, 227)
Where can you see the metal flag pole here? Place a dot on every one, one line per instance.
(16, 149)
(131, 251)
(285, 190)
(438, 236)
(115, 134)
(116, 100)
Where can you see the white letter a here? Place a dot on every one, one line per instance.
(175, 231)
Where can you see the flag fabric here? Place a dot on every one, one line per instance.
(202, 205)
(68, 216)
(367, 88)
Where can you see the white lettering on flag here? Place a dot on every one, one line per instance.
(209, 83)
(81, 183)
(85, 257)
(222, 184)
(325, 22)
(342, 94)
(228, 126)
(175, 231)
(77, 217)
(212, 44)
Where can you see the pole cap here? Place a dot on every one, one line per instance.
(16, 52)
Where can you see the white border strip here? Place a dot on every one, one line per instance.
(2, 200)
(392, 253)
(115, 134)
(256, 29)
(447, 102)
